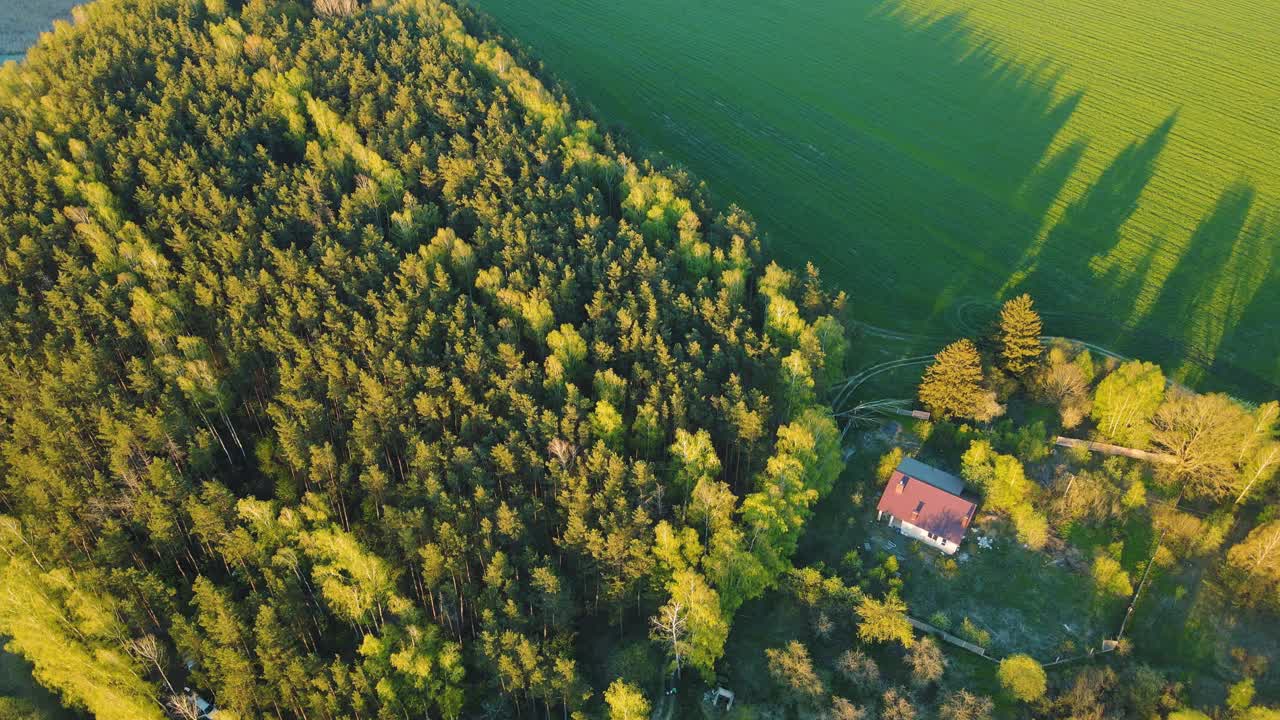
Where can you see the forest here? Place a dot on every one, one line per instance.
(351, 370)
(348, 373)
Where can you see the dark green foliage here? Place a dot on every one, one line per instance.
(343, 360)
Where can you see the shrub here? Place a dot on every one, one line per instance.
(926, 662)
(1240, 695)
(1022, 677)
(792, 669)
(626, 701)
(1032, 527)
(963, 705)
(884, 621)
(888, 463)
(974, 634)
(1110, 578)
(859, 669)
(940, 620)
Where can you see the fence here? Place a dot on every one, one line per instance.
(1106, 449)
(948, 637)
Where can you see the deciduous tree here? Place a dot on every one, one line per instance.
(1022, 677)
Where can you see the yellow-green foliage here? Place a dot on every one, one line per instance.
(651, 201)
(1110, 578)
(71, 634)
(1022, 677)
(523, 86)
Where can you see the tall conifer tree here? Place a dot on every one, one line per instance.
(952, 384)
(1019, 335)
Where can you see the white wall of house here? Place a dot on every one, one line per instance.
(922, 535)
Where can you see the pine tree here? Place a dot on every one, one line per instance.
(952, 384)
(1019, 336)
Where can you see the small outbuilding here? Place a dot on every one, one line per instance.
(925, 503)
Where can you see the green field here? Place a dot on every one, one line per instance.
(1119, 159)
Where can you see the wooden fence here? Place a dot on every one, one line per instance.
(948, 637)
(1106, 449)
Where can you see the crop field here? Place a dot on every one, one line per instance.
(22, 21)
(1120, 159)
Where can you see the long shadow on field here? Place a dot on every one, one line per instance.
(1248, 295)
(944, 156)
(920, 165)
(985, 134)
(1213, 282)
(1090, 227)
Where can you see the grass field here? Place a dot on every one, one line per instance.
(22, 21)
(1121, 160)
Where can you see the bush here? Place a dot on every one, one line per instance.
(16, 709)
(1032, 527)
(940, 620)
(1110, 578)
(852, 562)
(1240, 695)
(859, 669)
(626, 702)
(926, 662)
(888, 463)
(974, 634)
(638, 663)
(1022, 677)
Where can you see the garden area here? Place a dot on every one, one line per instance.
(1063, 540)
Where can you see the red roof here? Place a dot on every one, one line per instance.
(927, 507)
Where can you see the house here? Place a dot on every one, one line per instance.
(925, 503)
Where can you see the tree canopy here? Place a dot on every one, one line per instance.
(952, 384)
(349, 372)
(1019, 335)
(1022, 677)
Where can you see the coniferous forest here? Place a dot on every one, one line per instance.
(347, 372)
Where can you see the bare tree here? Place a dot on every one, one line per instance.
(337, 8)
(563, 451)
(670, 627)
(149, 648)
(183, 706)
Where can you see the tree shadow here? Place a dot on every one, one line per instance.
(1090, 227)
(919, 164)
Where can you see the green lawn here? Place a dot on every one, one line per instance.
(1121, 160)
(1021, 597)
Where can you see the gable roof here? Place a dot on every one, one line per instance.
(932, 475)
(927, 507)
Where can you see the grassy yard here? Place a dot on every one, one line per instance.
(1028, 601)
(1186, 624)
(1114, 158)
